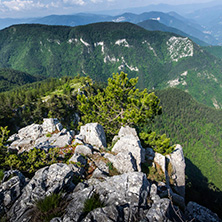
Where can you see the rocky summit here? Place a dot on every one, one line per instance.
(97, 183)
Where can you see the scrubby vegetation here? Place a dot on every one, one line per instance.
(49, 207)
(92, 203)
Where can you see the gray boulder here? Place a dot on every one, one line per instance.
(108, 214)
(160, 160)
(122, 196)
(129, 188)
(130, 143)
(127, 131)
(82, 149)
(78, 158)
(35, 135)
(33, 131)
(11, 188)
(93, 134)
(159, 211)
(124, 162)
(50, 125)
(200, 213)
(177, 161)
(48, 180)
(74, 211)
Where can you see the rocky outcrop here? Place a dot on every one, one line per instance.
(93, 133)
(199, 213)
(129, 196)
(46, 181)
(177, 161)
(48, 135)
(124, 162)
(128, 141)
(11, 188)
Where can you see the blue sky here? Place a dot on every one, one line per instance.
(33, 8)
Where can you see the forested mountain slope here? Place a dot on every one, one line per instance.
(198, 129)
(10, 79)
(159, 59)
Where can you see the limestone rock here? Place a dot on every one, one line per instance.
(74, 210)
(129, 188)
(159, 211)
(50, 125)
(124, 162)
(177, 161)
(48, 180)
(93, 133)
(78, 158)
(200, 213)
(11, 188)
(35, 135)
(130, 143)
(161, 160)
(82, 149)
(127, 131)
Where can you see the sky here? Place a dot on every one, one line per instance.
(38, 8)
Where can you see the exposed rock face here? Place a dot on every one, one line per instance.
(39, 136)
(124, 162)
(118, 193)
(159, 210)
(177, 161)
(46, 181)
(161, 160)
(11, 189)
(126, 197)
(200, 213)
(129, 142)
(93, 133)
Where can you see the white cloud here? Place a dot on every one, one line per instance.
(74, 2)
(18, 5)
(96, 1)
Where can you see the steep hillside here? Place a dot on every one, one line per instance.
(214, 50)
(159, 59)
(198, 129)
(10, 79)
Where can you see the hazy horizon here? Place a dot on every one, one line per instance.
(38, 8)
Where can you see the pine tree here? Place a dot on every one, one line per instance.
(119, 104)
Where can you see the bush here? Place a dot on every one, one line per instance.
(1, 175)
(92, 203)
(49, 207)
(159, 143)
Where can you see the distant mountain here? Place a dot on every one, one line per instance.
(159, 59)
(154, 25)
(184, 25)
(72, 20)
(171, 19)
(10, 79)
(210, 19)
(182, 9)
(6, 22)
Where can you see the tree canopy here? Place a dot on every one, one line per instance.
(119, 104)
